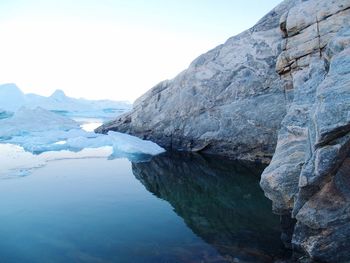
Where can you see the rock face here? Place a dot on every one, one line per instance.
(288, 74)
(309, 175)
(230, 101)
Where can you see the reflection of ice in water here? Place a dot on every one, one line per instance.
(89, 124)
(14, 161)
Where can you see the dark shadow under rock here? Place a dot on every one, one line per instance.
(220, 200)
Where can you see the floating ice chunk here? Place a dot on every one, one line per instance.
(38, 142)
(132, 145)
(124, 145)
(26, 120)
(77, 144)
(39, 131)
(75, 140)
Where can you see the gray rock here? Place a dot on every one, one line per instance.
(309, 171)
(208, 107)
(231, 101)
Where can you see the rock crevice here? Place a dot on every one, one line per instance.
(308, 174)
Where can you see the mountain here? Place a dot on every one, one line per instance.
(281, 89)
(12, 98)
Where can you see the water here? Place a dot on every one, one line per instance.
(175, 208)
(89, 124)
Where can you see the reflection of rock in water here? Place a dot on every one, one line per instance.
(220, 200)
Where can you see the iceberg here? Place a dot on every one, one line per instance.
(39, 131)
(12, 98)
(32, 137)
(52, 140)
(128, 144)
(32, 151)
(26, 120)
(76, 140)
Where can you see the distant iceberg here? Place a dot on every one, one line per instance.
(26, 120)
(12, 99)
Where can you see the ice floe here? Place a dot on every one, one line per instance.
(125, 143)
(40, 134)
(27, 120)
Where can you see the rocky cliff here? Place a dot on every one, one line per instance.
(286, 80)
(310, 171)
(230, 101)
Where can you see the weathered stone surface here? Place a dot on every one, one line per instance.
(208, 107)
(231, 101)
(323, 227)
(309, 173)
(280, 179)
(308, 28)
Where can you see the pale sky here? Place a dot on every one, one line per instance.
(112, 49)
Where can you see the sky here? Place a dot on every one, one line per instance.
(112, 49)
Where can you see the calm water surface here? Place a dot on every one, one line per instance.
(175, 208)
